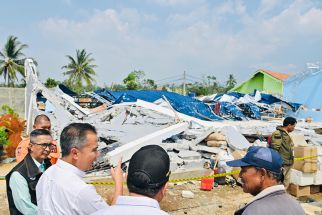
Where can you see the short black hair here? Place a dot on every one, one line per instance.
(278, 176)
(41, 117)
(38, 132)
(289, 121)
(74, 136)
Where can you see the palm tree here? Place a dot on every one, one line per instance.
(11, 60)
(231, 82)
(80, 69)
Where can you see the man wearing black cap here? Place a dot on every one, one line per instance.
(261, 175)
(147, 177)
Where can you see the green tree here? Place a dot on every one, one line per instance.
(118, 87)
(198, 88)
(133, 80)
(149, 84)
(11, 60)
(9, 110)
(79, 70)
(3, 136)
(231, 82)
(50, 83)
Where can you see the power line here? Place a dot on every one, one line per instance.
(171, 81)
(175, 76)
(194, 77)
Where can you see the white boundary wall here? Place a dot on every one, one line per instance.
(15, 98)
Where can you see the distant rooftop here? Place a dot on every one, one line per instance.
(277, 75)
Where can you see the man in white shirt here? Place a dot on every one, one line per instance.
(61, 189)
(22, 179)
(148, 175)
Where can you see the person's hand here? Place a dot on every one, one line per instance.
(117, 173)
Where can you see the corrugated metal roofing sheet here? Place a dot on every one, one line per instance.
(277, 75)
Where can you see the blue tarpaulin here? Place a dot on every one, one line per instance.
(228, 108)
(182, 104)
(270, 99)
(234, 94)
(66, 90)
(306, 88)
(250, 109)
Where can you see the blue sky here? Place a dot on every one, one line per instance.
(166, 37)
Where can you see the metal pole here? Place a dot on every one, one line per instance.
(184, 83)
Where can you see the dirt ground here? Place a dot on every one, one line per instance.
(222, 200)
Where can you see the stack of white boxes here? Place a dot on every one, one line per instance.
(318, 174)
(307, 172)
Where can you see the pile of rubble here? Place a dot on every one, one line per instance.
(239, 106)
(194, 136)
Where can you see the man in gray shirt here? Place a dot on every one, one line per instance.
(148, 175)
(261, 175)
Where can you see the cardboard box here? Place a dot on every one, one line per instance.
(84, 100)
(41, 106)
(298, 139)
(297, 191)
(307, 165)
(305, 151)
(301, 178)
(315, 189)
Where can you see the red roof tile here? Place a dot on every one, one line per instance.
(278, 75)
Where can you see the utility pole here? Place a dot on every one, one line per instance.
(184, 83)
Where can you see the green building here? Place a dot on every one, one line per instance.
(264, 81)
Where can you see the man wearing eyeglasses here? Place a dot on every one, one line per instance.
(22, 179)
(41, 122)
(261, 175)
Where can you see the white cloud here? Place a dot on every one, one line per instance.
(193, 41)
(311, 22)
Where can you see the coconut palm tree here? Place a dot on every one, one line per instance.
(11, 60)
(231, 82)
(80, 69)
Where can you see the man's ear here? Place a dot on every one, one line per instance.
(74, 153)
(263, 171)
(29, 146)
(161, 194)
(164, 189)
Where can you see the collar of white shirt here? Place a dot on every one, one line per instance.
(71, 168)
(37, 163)
(137, 201)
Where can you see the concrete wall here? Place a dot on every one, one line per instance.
(272, 85)
(256, 82)
(15, 98)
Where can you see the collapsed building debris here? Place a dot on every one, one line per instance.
(192, 134)
(124, 127)
(241, 106)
